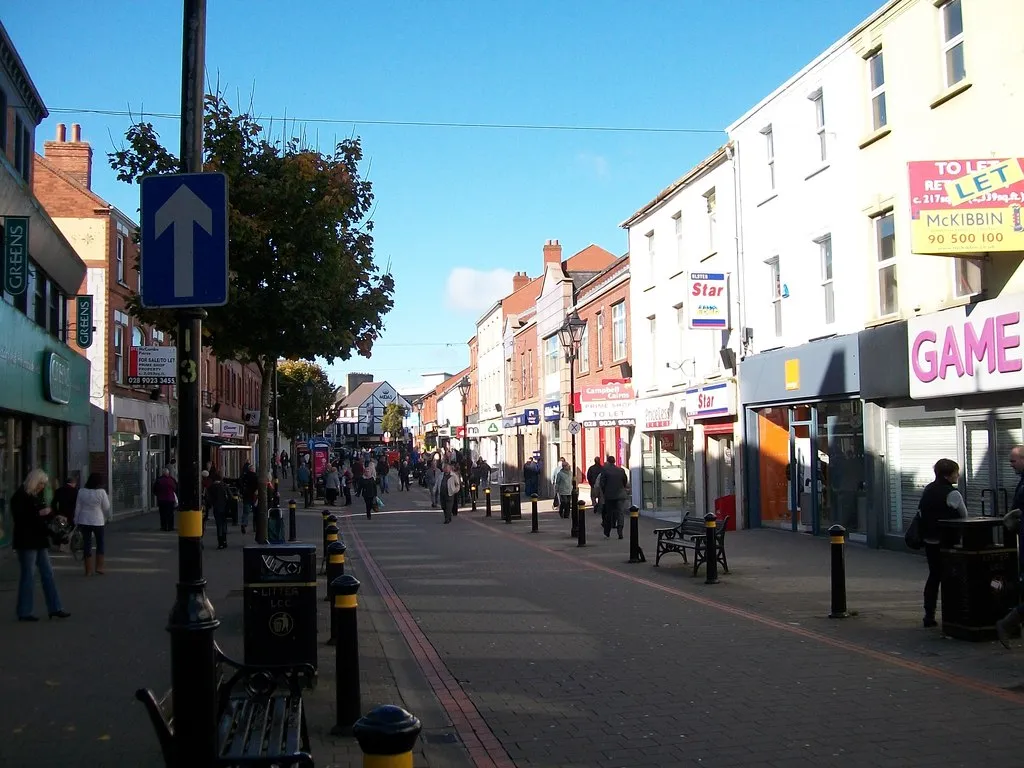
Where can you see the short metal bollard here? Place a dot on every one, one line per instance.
(837, 537)
(387, 736)
(711, 548)
(506, 510)
(335, 565)
(581, 523)
(472, 498)
(292, 533)
(636, 554)
(534, 517)
(487, 501)
(345, 629)
(330, 536)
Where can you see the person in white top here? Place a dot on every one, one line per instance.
(92, 510)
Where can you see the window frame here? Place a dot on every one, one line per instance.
(775, 280)
(651, 256)
(949, 44)
(876, 92)
(827, 267)
(769, 146)
(119, 257)
(979, 264)
(583, 359)
(818, 102)
(711, 200)
(118, 342)
(884, 264)
(677, 224)
(682, 326)
(652, 335)
(600, 339)
(616, 340)
(552, 349)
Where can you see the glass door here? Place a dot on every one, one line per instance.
(802, 465)
(987, 478)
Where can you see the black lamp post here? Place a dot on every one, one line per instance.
(571, 336)
(464, 386)
(310, 388)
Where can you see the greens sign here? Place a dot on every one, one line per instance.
(15, 254)
(83, 318)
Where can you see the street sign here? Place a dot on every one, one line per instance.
(152, 366)
(575, 427)
(15, 254)
(310, 444)
(184, 257)
(83, 318)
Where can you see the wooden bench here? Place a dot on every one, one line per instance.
(261, 720)
(691, 533)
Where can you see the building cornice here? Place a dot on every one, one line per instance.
(23, 84)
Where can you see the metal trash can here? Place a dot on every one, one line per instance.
(979, 576)
(511, 501)
(279, 610)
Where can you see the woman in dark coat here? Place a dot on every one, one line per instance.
(217, 502)
(31, 541)
(368, 490)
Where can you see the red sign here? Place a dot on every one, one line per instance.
(616, 391)
(460, 432)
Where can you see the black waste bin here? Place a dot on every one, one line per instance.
(511, 501)
(979, 576)
(279, 610)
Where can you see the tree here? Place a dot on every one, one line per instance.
(303, 282)
(294, 403)
(392, 419)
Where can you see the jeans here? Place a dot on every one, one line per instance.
(384, 482)
(88, 531)
(29, 560)
(564, 504)
(450, 506)
(166, 515)
(931, 586)
(246, 511)
(434, 491)
(220, 516)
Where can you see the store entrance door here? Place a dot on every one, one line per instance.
(988, 479)
(718, 469)
(803, 469)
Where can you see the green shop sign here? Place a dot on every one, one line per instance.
(40, 375)
(83, 315)
(15, 254)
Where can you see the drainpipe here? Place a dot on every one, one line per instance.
(740, 477)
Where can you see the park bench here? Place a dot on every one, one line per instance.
(261, 719)
(691, 534)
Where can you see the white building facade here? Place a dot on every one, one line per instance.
(686, 326)
(491, 385)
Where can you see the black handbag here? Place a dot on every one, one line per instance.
(912, 538)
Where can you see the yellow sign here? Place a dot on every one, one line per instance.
(966, 206)
(792, 375)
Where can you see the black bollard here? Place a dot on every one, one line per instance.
(346, 653)
(534, 517)
(330, 536)
(506, 508)
(323, 519)
(581, 523)
(387, 736)
(292, 534)
(472, 498)
(837, 537)
(487, 501)
(636, 555)
(335, 565)
(711, 548)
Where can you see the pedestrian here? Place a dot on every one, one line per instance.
(1008, 625)
(593, 475)
(65, 498)
(563, 488)
(332, 485)
(940, 500)
(305, 477)
(531, 476)
(483, 476)
(613, 486)
(383, 471)
(165, 488)
(216, 500)
(403, 475)
(173, 466)
(249, 488)
(31, 540)
(368, 489)
(435, 485)
(91, 516)
(346, 484)
(451, 484)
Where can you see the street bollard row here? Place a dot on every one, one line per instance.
(487, 500)
(534, 517)
(335, 564)
(345, 636)
(472, 497)
(292, 533)
(387, 736)
(636, 554)
(837, 545)
(711, 548)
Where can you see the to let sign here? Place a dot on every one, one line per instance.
(709, 300)
(152, 366)
(953, 353)
(15, 254)
(83, 319)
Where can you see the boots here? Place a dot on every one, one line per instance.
(88, 566)
(99, 564)
(1006, 627)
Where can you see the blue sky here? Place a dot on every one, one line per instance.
(458, 209)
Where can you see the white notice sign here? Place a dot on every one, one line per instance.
(152, 366)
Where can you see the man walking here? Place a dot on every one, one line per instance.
(593, 475)
(1012, 621)
(563, 488)
(305, 477)
(613, 485)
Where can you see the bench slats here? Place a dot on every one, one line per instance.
(691, 534)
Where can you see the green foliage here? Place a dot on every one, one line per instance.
(294, 402)
(392, 419)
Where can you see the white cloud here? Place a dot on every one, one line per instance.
(475, 290)
(596, 165)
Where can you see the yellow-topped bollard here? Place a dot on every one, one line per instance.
(387, 736)
(487, 501)
(636, 554)
(345, 634)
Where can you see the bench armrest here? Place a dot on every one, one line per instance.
(274, 669)
(298, 759)
(163, 727)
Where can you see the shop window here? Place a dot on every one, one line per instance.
(12, 471)
(773, 456)
(619, 331)
(967, 275)
(667, 471)
(126, 471)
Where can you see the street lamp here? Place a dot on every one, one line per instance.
(571, 336)
(464, 386)
(310, 388)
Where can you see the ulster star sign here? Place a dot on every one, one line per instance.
(709, 301)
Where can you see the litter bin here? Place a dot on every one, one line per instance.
(279, 610)
(979, 576)
(511, 501)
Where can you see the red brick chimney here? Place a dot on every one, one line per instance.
(519, 280)
(552, 253)
(72, 157)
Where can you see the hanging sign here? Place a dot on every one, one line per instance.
(15, 254)
(152, 366)
(83, 315)
(709, 300)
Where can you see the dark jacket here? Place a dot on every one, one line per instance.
(593, 473)
(614, 484)
(31, 530)
(217, 498)
(933, 508)
(64, 499)
(1018, 495)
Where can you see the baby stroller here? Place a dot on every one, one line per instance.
(64, 533)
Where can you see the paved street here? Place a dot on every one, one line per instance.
(519, 649)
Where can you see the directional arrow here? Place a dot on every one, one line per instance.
(183, 210)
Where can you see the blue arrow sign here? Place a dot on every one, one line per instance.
(184, 257)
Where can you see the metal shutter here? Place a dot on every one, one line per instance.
(1008, 435)
(912, 449)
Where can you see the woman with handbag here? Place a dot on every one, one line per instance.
(166, 491)
(91, 515)
(31, 540)
(940, 501)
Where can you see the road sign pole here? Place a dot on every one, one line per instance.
(192, 620)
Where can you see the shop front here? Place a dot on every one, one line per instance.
(140, 433)
(491, 448)
(224, 444)
(966, 389)
(551, 413)
(804, 450)
(667, 488)
(711, 409)
(523, 440)
(44, 389)
(607, 413)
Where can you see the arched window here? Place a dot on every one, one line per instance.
(138, 337)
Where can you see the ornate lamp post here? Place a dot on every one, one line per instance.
(464, 386)
(571, 336)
